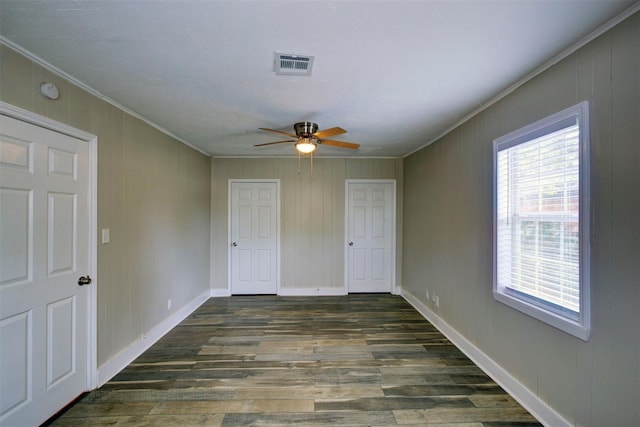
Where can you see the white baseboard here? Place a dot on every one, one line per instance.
(304, 292)
(117, 363)
(528, 399)
(216, 293)
(290, 292)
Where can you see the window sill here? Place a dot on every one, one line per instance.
(577, 329)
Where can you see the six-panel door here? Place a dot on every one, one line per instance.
(370, 226)
(44, 187)
(254, 237)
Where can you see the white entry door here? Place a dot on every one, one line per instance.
(254, 218)
(44, 249)
(370, 235)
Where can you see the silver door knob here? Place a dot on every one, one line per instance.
(350, 243)
(234, 244)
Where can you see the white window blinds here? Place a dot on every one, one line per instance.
(538, 219)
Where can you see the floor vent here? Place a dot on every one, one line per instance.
(289, 64)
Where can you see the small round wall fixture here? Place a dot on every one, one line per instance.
(49, 90)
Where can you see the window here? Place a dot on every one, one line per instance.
(541, 236)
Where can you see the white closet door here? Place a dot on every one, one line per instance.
(370, 236)
(44, 235)
(254, 219)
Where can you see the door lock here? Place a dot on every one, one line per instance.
(350, 243)
(84, 280)
(234, 244)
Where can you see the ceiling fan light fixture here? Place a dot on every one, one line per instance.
(305, 146)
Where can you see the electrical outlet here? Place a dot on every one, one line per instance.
(427, 294)
(436, 300)
(169, 304)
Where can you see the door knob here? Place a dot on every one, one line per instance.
(234, 244)
(84, 280)
(350, 243)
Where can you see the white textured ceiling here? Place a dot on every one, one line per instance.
(395, 74)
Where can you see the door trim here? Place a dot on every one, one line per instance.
(92, 294)
(394, 289)
(278, 228)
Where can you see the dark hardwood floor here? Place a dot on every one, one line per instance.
(359, 360)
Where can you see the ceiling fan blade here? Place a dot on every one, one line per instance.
(276, 142)
(342, 144)
(280, 132)
(329, 132)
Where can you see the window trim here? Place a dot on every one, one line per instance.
(579, 327)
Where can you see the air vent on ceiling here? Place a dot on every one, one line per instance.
(289, 64)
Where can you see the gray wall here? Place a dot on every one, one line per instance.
(153, 194)
(448, 235)
(312, 214)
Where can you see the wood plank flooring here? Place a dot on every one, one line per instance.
(359, 360)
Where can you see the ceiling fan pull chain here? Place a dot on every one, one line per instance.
(299, 162)
(311, 173)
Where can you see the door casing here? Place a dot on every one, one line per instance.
(393, 289)
(92, 140)
(278, 228)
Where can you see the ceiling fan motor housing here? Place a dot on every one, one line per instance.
(305, 129)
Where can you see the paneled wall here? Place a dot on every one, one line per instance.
(448, 235)
(312, 215)
(153, 194)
